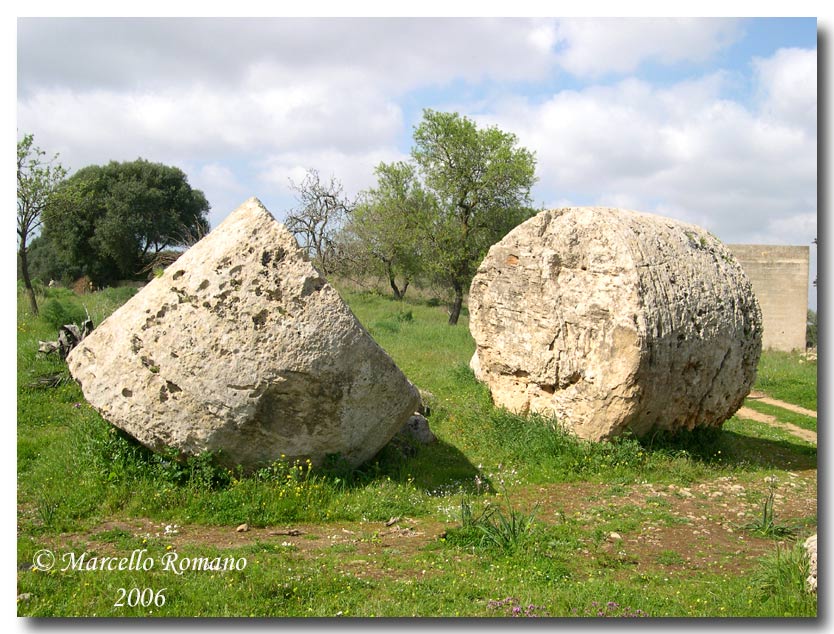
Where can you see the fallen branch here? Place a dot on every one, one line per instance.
(69, 336)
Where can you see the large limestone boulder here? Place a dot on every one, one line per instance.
(615, 320)
(241, 347)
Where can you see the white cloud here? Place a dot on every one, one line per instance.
(397, 54)
(794, 229)
(355, 171)
(218, 176)
(176, 125)
(597, 46)
(275, 97)
(265, 91)
(543, 37)
(788, 87)
(224, 189)
(682, 151)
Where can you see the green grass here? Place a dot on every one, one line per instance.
(76, 474)
(788, 377)
(780, 582)
(783, 415)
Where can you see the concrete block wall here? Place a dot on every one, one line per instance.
(779, 275)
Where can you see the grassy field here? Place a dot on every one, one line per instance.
(504, 516)
(787, 377)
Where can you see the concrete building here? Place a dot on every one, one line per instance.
(779, 275)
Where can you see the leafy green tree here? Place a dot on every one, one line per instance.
(37, 180)
(111, 221)
(388, 220)
(481, 183)
(46, 264)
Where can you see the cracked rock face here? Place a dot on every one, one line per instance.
(241, 347)
(615, 320)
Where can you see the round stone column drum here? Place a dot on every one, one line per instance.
(615, 321)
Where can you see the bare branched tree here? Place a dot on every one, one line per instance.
(321, 211)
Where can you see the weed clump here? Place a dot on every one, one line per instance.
(766, 524)
(781, 581)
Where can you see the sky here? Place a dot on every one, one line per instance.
(711, 121)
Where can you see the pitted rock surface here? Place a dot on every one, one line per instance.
(615, 320)
(811, 552)
(241, 347)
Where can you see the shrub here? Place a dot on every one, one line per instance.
(59, 293)
(57, 313)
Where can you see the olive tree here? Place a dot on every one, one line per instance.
(112, 220)
(480, 181)
(388, 221)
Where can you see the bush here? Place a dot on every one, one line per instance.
(58, 313)
(46, 263)
(59, 293)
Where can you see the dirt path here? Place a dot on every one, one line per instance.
(666, 528)
(751, 414)
(760, 396)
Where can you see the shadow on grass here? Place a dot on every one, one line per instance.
(727, 447)
(766, 453)
(439, 467)
(435, 468)
(119, 457)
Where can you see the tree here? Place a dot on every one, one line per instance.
(387, 223)
(481, 183)
(112, 220)
(37, 179)
(322, 208)
(811, 329)
(46, 263)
